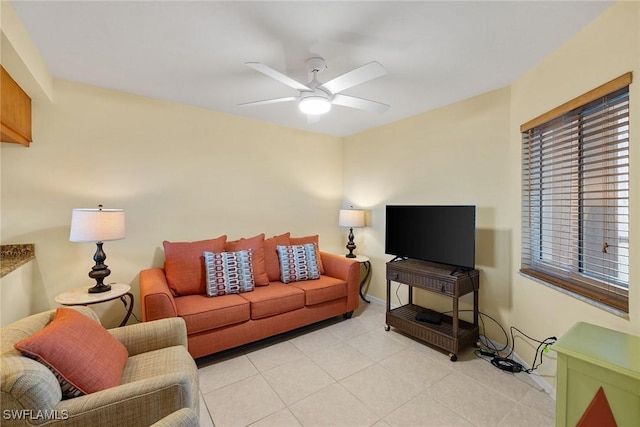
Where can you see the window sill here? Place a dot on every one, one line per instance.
(607, 308)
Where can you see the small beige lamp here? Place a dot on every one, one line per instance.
(352, 218)
(97, 225)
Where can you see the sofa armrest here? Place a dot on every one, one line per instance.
(141, 402)
(347, 269)
(185, 417)
(154, 335)
(339, 266)
(156, 298)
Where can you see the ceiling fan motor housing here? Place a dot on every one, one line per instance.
(315, 64)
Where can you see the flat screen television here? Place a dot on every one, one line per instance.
(441, 234)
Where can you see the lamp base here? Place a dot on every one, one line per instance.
(350, 245)
(99, 288)
(100, 271)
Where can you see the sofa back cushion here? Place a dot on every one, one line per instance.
(271, 260)
(184, 264)
(256, 244)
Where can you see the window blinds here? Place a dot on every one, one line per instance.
(575, 199)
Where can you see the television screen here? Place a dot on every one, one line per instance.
(442, 234)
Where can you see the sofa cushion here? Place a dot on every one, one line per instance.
(184, 264)
(274, 299)
(256, 244)
(229, 272)
(298, 262)
(310, 239)
(271, 261)
(325, 289)
(202, 313)
(79, 351)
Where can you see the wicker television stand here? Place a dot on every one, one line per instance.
(452, 334)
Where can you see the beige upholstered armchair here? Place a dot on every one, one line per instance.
(159, 378)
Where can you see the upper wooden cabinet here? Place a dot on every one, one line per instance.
(15, 111)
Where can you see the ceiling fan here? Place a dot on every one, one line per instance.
(316, 98)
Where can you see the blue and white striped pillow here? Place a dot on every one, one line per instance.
(229, 272)
(298, 263)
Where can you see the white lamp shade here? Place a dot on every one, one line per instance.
(351, 218)
(96, 225)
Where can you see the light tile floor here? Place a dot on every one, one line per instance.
(354, 373)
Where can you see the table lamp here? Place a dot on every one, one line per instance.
(97, 225)
(352, 218)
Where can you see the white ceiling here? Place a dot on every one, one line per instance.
(435, 52)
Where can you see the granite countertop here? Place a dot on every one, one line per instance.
(14, 256)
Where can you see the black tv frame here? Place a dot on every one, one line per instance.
(443, 234)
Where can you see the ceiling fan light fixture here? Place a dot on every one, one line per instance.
(314, 105)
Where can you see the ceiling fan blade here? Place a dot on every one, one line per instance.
(355, 77)
(277, 75)
(268, 101)
(360, 103)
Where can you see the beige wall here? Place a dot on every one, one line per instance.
(16, 288)
(180, 173)
(453, 155)
(604, 50)
(469, 153)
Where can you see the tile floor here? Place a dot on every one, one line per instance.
(354, 373)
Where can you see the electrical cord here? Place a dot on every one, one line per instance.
(540, 350)
(126, 306)
(397, 295)
(509, 365)
(488, 343)
(506, 363)
(132, 313)
(512, 328)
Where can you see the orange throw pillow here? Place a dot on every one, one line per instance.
(255, 243)
(271, 260)
(82, 354)
(310, 239)
(184, 264)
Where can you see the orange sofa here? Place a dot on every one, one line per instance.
(272, 307)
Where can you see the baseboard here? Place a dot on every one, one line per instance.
(376, 301)
(536, 378)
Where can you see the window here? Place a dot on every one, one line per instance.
(575, 195)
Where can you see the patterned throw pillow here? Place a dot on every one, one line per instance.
(309, 239)
(229, 272)
(298, 263)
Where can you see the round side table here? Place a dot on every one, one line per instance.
(80, 296)
(364, 260)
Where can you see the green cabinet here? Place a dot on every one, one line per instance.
(591, 357)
